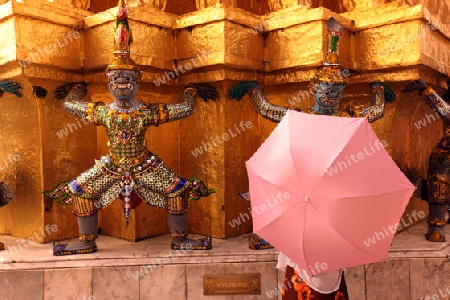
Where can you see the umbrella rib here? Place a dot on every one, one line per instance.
(356, 129)
(296, 169)
(334, 160)
(367, 252)
(268, 181)
(350, 243)
(290, 206)
(359, 196)
(303, 242)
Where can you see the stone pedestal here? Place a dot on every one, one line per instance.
(150, 270)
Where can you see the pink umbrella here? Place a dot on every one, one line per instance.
(325, 192)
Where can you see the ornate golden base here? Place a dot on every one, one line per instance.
(435, 236)
(204, 244)
(59, 250)
(257, 243)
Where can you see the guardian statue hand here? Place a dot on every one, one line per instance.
(239, 90)
(204, 91)
(78, 89)
(418, 85)
(10, 87)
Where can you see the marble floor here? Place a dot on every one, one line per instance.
(148, 269)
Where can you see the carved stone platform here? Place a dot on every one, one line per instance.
(415, 269)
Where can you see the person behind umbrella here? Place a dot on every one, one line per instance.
(327, 85)
(435, 190)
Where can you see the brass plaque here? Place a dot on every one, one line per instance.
(232, 284)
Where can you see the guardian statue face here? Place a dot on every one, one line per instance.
(123, 83)
(328, 95)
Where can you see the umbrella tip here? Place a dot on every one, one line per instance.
(306, 199)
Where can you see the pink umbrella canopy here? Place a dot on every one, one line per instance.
(325, 192)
